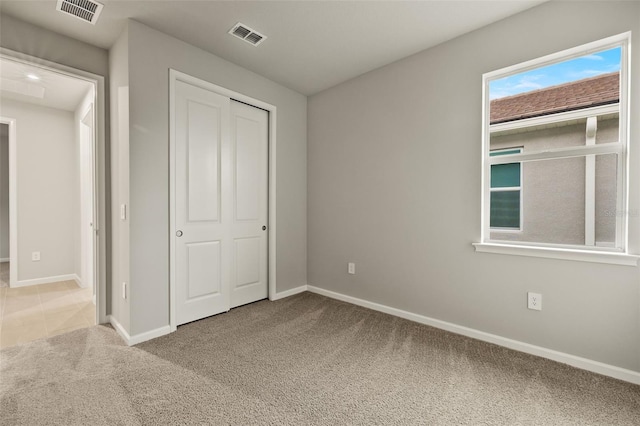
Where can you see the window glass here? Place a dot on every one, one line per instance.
(555, 149)
(555, 203)
(505, 175)
(505, 192)
(505, 209)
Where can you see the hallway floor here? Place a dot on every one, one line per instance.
(45, 310)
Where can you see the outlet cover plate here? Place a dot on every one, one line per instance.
(534, 301)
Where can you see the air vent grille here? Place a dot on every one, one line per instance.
(86, 10)
(241, 31)
(247, 34)
(254, 38)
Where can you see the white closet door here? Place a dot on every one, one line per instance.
(203, 203)
(249, 136)
(221, 182)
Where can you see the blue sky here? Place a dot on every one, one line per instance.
(562, 72)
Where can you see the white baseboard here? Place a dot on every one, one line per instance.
(138, 338)
(148, 335)
(79, 281)
(575, 361)
(287, 293)
(119, 328)
(46, 280)
(4, 259)
(143, 337)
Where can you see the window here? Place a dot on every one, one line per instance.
(554, 151)
(506, 181)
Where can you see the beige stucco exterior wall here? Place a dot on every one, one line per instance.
(553, 191)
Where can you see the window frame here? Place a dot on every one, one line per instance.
(620, 148)
(519, 229)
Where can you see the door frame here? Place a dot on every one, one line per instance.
(99, 187)
(13, 205)
(175, 76)
(93, 260)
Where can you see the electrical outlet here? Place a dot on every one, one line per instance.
(351, 267)
(124, 290)
(35, 256)
(534, 301)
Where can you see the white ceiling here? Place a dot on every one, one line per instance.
(311, 45)
(60, 91)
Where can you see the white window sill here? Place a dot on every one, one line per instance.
(559, 253)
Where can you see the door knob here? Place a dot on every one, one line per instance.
(264, 227)
(179, 233)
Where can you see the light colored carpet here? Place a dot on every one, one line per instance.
(304, 360)
(4, 274)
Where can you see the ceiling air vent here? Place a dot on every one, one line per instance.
(87, 10)
(245, 33)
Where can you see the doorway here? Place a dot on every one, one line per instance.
(222, 223)
(55, 112)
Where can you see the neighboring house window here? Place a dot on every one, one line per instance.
(560, 123)
(506, 190)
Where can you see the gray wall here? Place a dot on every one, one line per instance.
(151, 54)
(119, 90)
(4, 191)
(394, 166)
(46, 188)
(32, 40)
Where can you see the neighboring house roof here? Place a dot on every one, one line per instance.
(586, 93)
